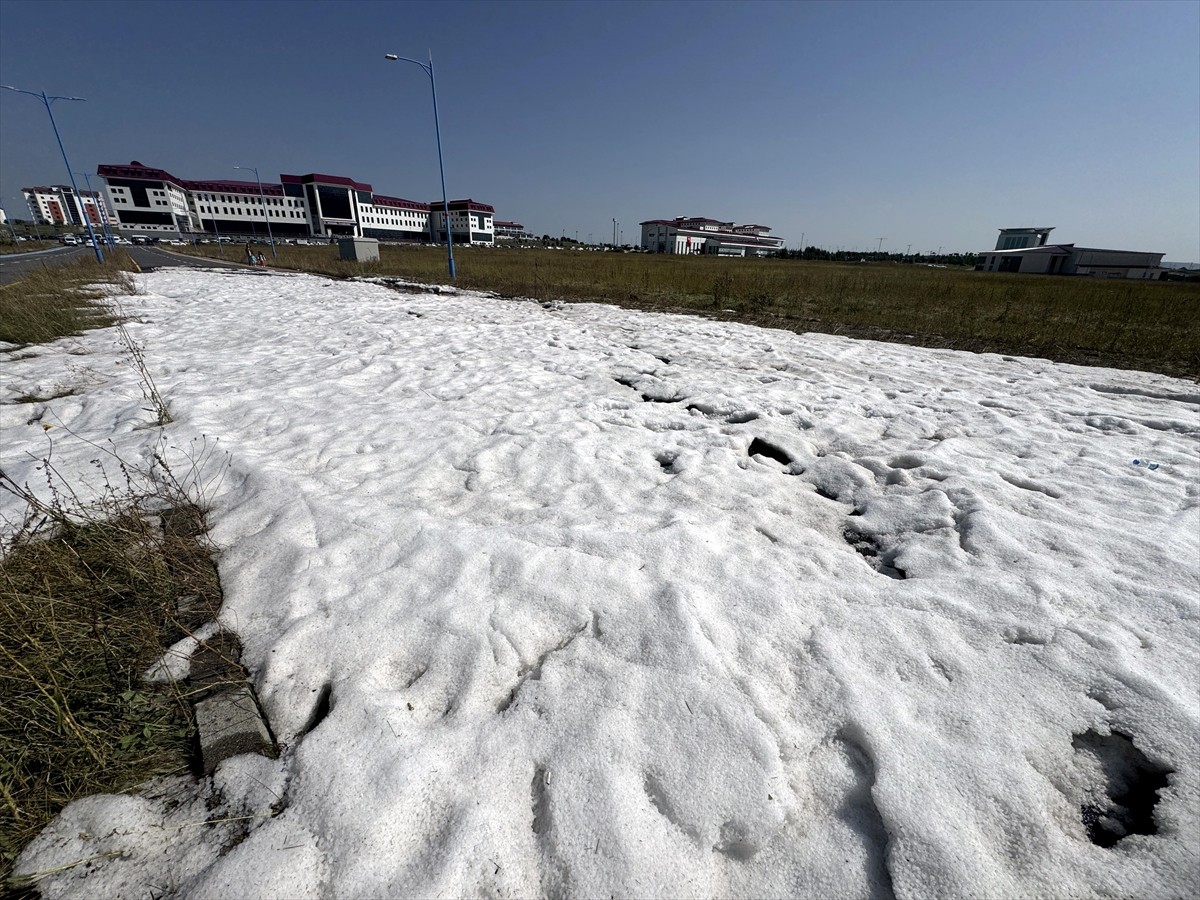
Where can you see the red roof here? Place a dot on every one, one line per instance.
(399, 203)
(459, 205)
(234, 187)
(315, 178)
(136, 170)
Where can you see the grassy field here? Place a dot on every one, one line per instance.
(25, 246)
(51, 302)
(1125, 324)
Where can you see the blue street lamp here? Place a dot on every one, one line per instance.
(70, 172)
(100, 211)
(266, 216)
(32, 215)
(441, 168)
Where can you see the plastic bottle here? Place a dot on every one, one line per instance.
(1145, 464)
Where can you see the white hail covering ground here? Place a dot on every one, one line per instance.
(610, 603)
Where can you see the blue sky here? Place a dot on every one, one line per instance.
(930, 124)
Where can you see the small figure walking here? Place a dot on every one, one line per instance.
(250, 255)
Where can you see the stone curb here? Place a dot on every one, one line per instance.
(229, 720)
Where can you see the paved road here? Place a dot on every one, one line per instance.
(157, 258)
(15, 266)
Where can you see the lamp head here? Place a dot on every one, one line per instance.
(391, 56)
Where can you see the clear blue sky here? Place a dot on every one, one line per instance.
(930, 124)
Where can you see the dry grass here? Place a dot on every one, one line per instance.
(7, 246)
(1125, 324)
(52, 302)
(88, 596)
(88, 601)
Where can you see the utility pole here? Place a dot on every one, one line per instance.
(879, 249)
(614, 232)
(906, 249)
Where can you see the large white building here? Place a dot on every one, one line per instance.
(59, 204)
(152, 201)
(696, 235)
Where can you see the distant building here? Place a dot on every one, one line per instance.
(153, 201)
(1067, 259)
(712, 237)
(59, 205)
(470, 221)
(1020, 238)
(511, 231)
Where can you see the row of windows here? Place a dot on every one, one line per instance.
(257, 201)
(420, 221)
(239, 211)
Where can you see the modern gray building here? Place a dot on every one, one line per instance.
(1067, 259)
(1020, 238)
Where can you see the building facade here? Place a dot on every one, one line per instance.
(711, 237)
(1067, 259)
(152, 201)
(59, 204)
(511, 231)
(471, 222)
(1021, 238)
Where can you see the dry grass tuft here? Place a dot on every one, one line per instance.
(53, 302)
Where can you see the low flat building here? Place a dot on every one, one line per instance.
(708, 237)
(511, 231)
(1067, 259)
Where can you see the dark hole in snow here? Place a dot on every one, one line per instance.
(666, 460)
(540, 801)
(741, 418)
(651, 398)
(759, 447)
(320, 709)
(1123, 802)
(868, 549)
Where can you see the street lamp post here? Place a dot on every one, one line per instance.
(217, 232)
(108, 238)
(46, 101)
(32, 216)
(263, 198)
(441, 167)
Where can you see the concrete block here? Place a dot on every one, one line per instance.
(359, 249)
(230, 724)
(215, 665)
